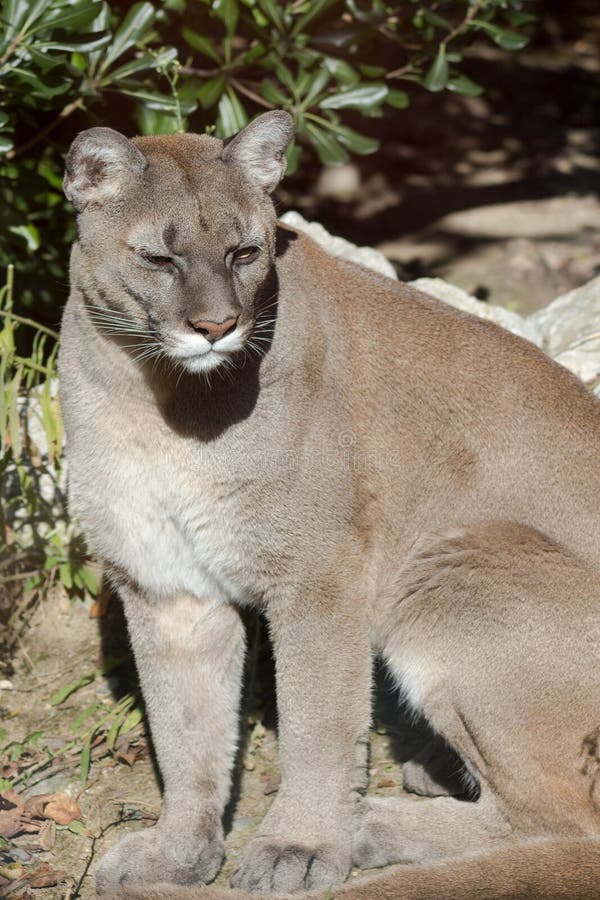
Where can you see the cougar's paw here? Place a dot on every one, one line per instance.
(371, 839)
(281, 866)
(154, 855)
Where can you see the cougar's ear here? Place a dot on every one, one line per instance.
(99, 163)
(259, 148)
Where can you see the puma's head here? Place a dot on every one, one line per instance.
(177, 235)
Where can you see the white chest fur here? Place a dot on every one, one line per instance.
(166, 525)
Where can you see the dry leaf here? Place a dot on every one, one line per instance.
(45, 876)
(100, 606)
(62, 808)
(386, 782)
(47, 835)
(34, 806)
(272, 783)
(11, 807)
(12, 871)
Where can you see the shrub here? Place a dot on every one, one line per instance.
(68, 64)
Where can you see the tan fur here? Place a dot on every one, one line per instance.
(376, 472)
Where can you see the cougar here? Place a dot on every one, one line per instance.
(252, 422)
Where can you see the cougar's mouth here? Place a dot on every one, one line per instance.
(198, 354)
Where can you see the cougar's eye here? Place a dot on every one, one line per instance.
(245, 254)
(161, 262)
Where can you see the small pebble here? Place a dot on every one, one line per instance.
(242, 822)
(6, 685)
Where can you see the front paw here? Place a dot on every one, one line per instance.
(157, 855)
(283, 866)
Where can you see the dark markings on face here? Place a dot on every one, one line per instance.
(238, 227)
(202, 220)
(139, 299)
(99, 291)
(169, 235)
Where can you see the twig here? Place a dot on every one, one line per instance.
(239, 86)
(63, 114)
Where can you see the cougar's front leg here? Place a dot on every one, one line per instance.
(189, 654)
(323, 665)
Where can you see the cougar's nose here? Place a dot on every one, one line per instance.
(212, 331)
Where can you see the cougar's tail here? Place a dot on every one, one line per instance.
(545, 869)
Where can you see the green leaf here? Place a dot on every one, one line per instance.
(82, 45)
(65, 575)
(30, 233)
(39, 87)
(285, 77)
(314, 86)
(232, 115)
(148, 60)
(161, 102)
(437, 76)
(271, 10)
(134, 27)
(6, 144)
(4, 784)
(342, 71)
(329, 150)
(200, 43)
(227, 11)
(134, 718)
(357, 98)
(372, 71)
(356, 142)
(89, 580)
(433, 19)
(66, 690)
(396, 98)
(508, 40)
(77, 827)
(83, 715)
(16, 13)
(461, 84)
(75, 17)
(211, 91)
(315, 8)
(113, 732)
(273, 94)
(292, 156)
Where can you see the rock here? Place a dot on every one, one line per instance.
(526, 218)
(569, 330)
(339, 183)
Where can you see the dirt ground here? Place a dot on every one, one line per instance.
(62, 642)
(498, 194)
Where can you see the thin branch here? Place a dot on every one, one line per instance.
(63, 114)
(239, 86)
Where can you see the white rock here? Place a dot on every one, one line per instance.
(339, 182)
(570, 329)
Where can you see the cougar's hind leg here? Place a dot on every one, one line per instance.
(492, 635)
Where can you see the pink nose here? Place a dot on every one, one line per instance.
(212, 331)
